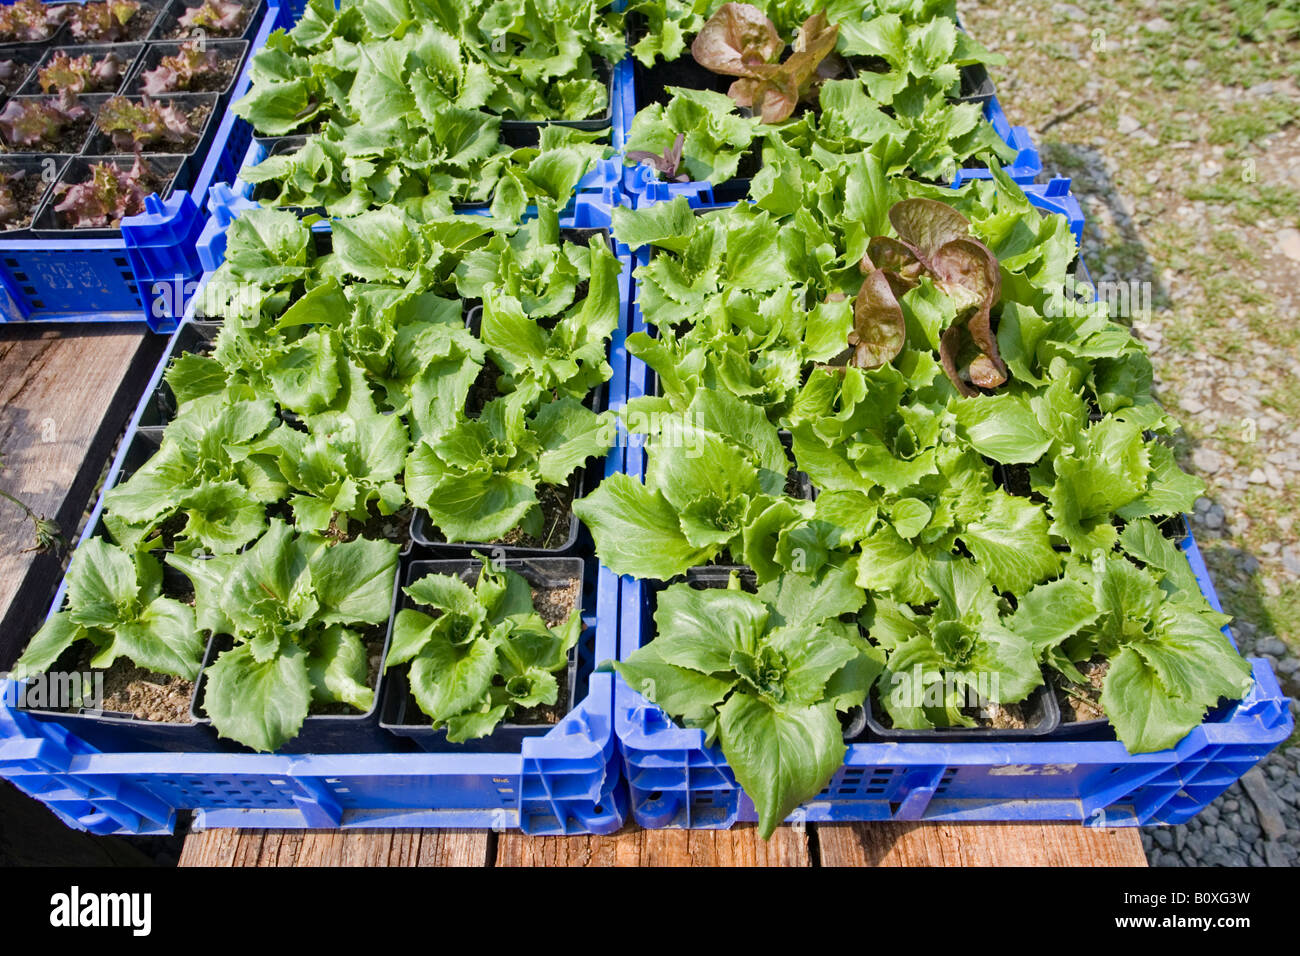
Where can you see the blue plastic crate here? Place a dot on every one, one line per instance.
(149, 273)
(566, 781)
(675, 781)
(1055, 196)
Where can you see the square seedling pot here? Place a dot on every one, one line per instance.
(39, 175)
(1043, 716)
(401, 715)
(49, 223)
(112, 731)
(77, 135)
(229, 52)
(424, 534)
(351, 733)
(101, 143)
(139, 28)
(128, 53)
(524, 133)
(168, 25)
(22, 61)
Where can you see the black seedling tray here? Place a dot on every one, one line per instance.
(401, 715)
(129, 52)
(24, 61)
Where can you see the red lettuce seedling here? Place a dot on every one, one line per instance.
(29, 20)
(102, 22)
(181, 71)
(30, 122)
(740, 41)
(103, 200)
(213, 16)
(934, 240)
(135, 125)
(81, 73)
(666, 163)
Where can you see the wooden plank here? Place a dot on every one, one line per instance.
(739, 846)
(225, 847)
(65, 394)
(977, 844)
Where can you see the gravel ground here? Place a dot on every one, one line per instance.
(1180, 125)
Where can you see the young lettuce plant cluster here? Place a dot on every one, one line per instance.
(404, 105)
(102, 21)
(765, 675)
(989, 461)
(899, 103)
(135, 125)
(335, 372)
(28, 123)
(110, 194)
(296, 607)
(81, 74)
(30, 21)
(194, 64)
(220, 18)
(483, 654)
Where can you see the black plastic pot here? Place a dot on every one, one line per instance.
(91, 101)
(10, 48)
(101, 143)
(323, 733)
(48, 223)
(976, 85)
(424, 533)
(194, 337)
(40, 170)
(229, 51)
(853, 722)
(128, 52)
(524, 133)
(24, 61)
(140, 28)
(168, 21)
(124, 733)
(401, 714)
(1043, 718)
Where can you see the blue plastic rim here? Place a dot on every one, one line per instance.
(675, 781)
(149, 274)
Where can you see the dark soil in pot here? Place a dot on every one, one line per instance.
(71, 136)
(28, 190)
(393, 527)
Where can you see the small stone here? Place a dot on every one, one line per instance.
(1248, 563)
(1255, 859)
(1271, 645)
(1230, 806)
(1236, 858)
(1227, 835)
(1207, 460)
(1157, 25)
(1288, 665)
(1214, 518)
(1180, 838)
(1288, 243)
(1291, 560)
(1273, 854)
(1191, 406)
(1127, 126)
(1164, 838)
(1257, 477)
(1266, 804)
